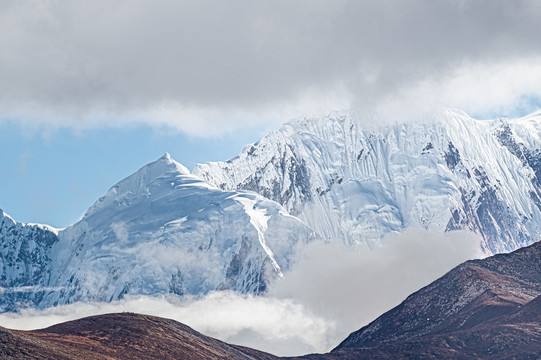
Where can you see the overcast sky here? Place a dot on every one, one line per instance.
(78, 71)
(225, 63)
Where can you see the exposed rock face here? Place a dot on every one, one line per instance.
(357, 184)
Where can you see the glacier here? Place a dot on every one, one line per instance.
(159, 231)
(355, 184)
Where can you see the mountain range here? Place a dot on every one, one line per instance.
(238, 224)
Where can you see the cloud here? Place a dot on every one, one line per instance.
(121, 232)
(28, 289)
(331, 291)
(486, 90)
(278, 325)
(353, 286)
(188, 64)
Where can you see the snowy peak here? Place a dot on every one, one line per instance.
(166, 160)
(535, 116)
(4, 217)
(154, 178)
(354, 183)
(7, 221)
(25, 261)
(162, 230)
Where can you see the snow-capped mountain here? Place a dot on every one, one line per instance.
(25, 261)
(163, 230)
(354, 183)
(160, 230)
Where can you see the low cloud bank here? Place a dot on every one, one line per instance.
(331, 291)
(281, 326)
(354, 286)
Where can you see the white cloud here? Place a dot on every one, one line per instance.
(278, 325)
(484, 89)
(121, 233)
(354, 286)
(205, 67)
(330, 292)
(27, 289)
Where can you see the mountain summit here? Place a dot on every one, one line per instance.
(356, 184)
(160, 230)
